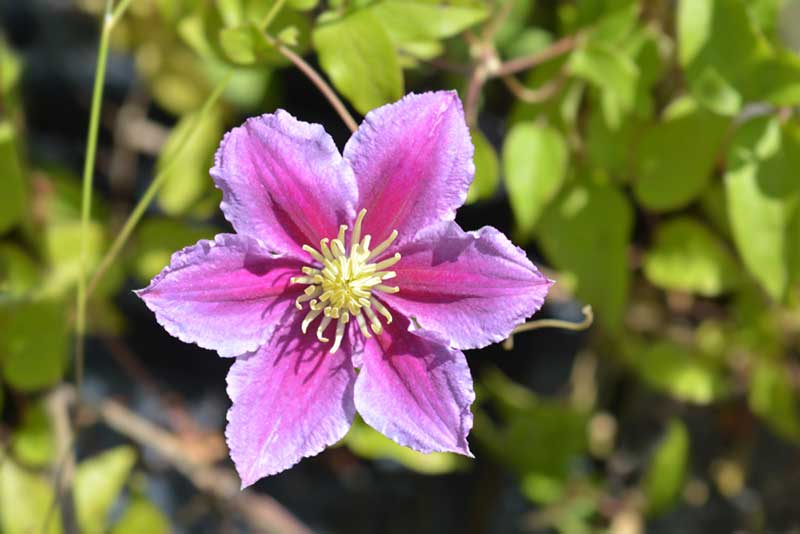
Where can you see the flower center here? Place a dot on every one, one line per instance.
(342, 288)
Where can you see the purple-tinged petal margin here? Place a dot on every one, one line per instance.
(284, 182)
(472, 288)
(415, 390)
(224, 295)
(413, 163)
(291, 399)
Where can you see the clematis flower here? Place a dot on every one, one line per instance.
(341, 263)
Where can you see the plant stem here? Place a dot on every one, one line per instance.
(317, 80)
(158, 181)
(271, 14)
(88, 176)
(155, 185)
(558, 48)
(588, 319)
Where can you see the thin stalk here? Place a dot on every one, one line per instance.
(155, 185)
(152, 189)
(588, 319)
(271, 14)
(316, 79)
(88, 176)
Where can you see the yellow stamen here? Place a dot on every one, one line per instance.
(343, 286)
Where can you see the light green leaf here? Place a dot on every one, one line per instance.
(728, 60)
(528, 419)
(98, 482)
(773, 398)
(32, 442)
(33, 343)
(369, 443)
(613, 72)
(357, 54)
(688, 257)
(188, 180)
(586, 234)
(535, 166)
(762, 195)
(487, 176)
(142, 516)
(426, 20)
(63, 247)
(25, 500)
(12, 181)
(678, 371)
(158, 238)
(19, 274)
(676, 156)
(242, 44)
(664, 478)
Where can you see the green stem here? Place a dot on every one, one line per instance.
(155, 185)
(271, 14)
(86, 197)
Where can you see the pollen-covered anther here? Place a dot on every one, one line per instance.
(343, 287)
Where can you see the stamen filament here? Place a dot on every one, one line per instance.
(343, 287)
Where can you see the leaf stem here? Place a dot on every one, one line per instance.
(558, 48)
(588, 319)
(88, 176)
(155, 185)
(316, 79)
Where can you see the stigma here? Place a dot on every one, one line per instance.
(342, 289)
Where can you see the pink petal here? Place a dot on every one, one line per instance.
(413, 163)
(472, 288)
(225, 295)
(291, 399)
(415, 390)
(284, 182)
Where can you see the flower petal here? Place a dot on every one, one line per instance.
(413, 163)
(291, 399)
(472, 288)
(284, 182)
(415, 390)
(224, 295)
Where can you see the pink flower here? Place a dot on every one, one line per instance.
(340, 263)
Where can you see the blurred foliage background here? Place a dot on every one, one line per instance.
(646, 153)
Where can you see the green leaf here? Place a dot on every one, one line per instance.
(142, 516)
(678, 371)
(33, 441)
(158, 238)
(98, 482)
(63, 246)
(676, 156)
(613, 72)
(357, 54)
(408, 21)
(773, 398)
(527, 419)
(535, 166)
(487, 176)
(728, 60)
(188, 180)
(369, 443)
(688, 257)
(586, 234)
(663, 480)
(25, 501)
(242, 44)
(19, 274)
(762, 195)
(33, 343)
(12, 184)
